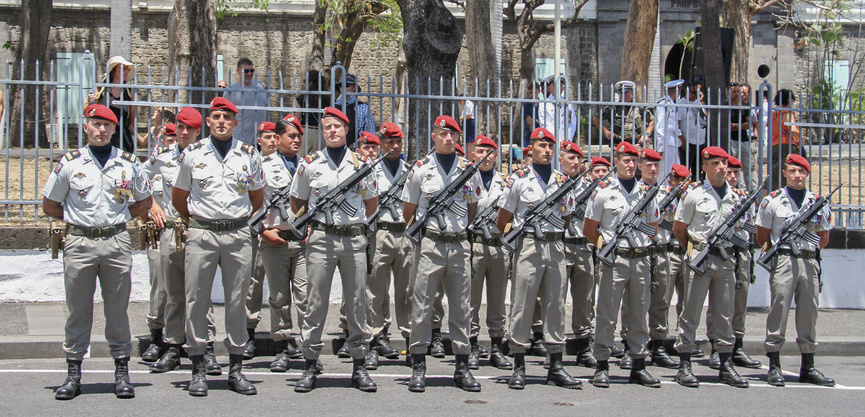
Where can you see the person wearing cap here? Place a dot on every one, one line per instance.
(96, 190)
(339, 244)
(443, 257)
(693, 123)
(793, 278)
(120, 71)
(744, 277)
(358, 112)
(539, 261)
(628, 123)
(247, 91)
(703, 207)
(547, 111)
(219, 185)
(600, 166)
(630, 274)
(282, 253)
(785, 138)
(667, 126)
(391, 253)
(527, 157)
(164, 164)
(490, 262)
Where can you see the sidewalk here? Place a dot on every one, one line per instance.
(35, 330)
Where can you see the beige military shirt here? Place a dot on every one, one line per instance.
(491, 196)
(385, 181)
(778, 209)
(628, 122)
(278, 176)
(219, 188)
(318, 174)
(611, 202)
(428, 179)
(162, 168)
(526, 190)
(702, 209)
(94, 195)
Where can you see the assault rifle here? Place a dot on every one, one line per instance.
(675, 192)
(482, 222)
(626, 228)
(389, 200)
(583, 198)
(280, 201)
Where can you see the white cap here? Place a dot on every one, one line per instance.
(674, 83)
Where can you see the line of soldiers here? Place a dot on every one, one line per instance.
(443, 225)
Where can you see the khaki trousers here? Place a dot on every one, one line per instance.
(256, 287)
(156, 314)
(719, 282)
(539, 272)
(627, 279)
(444, 265)
(678, 281)
(285, 269)
(793, 279)
(110, 260)
(324, 253)
(740, 298)
(659, 304)
(231, 252)
(581, 275)
(391, 256)
(490, 266)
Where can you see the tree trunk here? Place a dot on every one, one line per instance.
(347, 39)
(639, 37)
(316, 59)
(737, 16)
(482, 61)
(121, 29)
(713, 64)
(432, 43)
(35, 24)
(192, 47)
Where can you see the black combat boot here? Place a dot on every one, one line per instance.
(71, 387)
(538, 348)
(210, 364)
(474, 354)
(154, 351)
(371, 361)
(558, 376)
(237, 381)
(169, 361)
(292, 350)
(585, 356)
(382, 345)
(122, 387)
(463, 376)
(306, 383)
(198, 384)
(497, 359)
(437, 346)
(360, 377)
(518, 379)
(660, 356)
(627, 362)
(280, 363)
(409, 358)
(483, 353)
(249, 351)
(343, 350)
(714, 359)
(639, 375)
(685, 376)
(602, 375)
(417, 383)
(808, 373)
(741, 358)
(728, 374)
(616, 351)
(775, 376)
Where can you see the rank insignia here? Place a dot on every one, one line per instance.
(57, 168)
(80, 175)
(410, 174)
(301, 169)
(201, 165)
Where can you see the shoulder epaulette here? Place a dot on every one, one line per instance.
(363, 158)
(423, 161)
(196, 145)
(775, 193)
(696, 184)
(247, 149)
(603, 184)
(72, 155)
(163, 149)
(521, 172)
(740, 191)
(127, 156)
(311, 157)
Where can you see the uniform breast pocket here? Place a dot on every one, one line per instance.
(705, 212)
(430, 188)
(203, 181)
(85, 191)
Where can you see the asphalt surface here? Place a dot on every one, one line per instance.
(30, 384)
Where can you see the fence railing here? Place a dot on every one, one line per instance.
(48, 122)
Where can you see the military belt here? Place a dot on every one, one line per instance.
(218, 225)
(629, 253)
(91, 232)
(391, 227)
(576, 240)
(287, 236)
(496, 240)
(676, 249)
(350, 230)
(547, 237)
(803, 254)
(169, 223)
(444, 237)
(715, 251)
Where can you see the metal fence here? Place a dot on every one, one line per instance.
(593, 116)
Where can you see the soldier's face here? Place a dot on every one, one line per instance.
(542, 152)
(186, 135)
(795, 175)
(269, 142)
(599, 171)
(369, 150)
(289, 141)
(169, 140)
(222, 124)
(99, 132)
(392, 145)
(445, 140)
(733, 175)
(716, 170)
(650, 170)
(626, 166)
(480, 152)
(334, 131)
(570, 163)
(676, 180)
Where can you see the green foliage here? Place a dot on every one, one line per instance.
(232, 7)
(383, 16)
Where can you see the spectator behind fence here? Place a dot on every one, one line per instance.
(158, 119)
(739, 145)
(467, 117)
(626, 123)
(785, 139)
(567, 123)
(310, 119)
(530, 113)
(246, 92)
(692, 125)
(358, 112)
(120, 71)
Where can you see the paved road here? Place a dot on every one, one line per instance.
(30, 384)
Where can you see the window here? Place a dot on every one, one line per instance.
(71, 70)
(544, 67)
(220, 67)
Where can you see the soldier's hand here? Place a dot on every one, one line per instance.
(157, 215)
(271, 237)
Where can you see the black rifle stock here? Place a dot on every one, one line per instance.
(583, 198)
(482, 222)
(629, 224)
(389, 200)
(279, 200)
(675, 192)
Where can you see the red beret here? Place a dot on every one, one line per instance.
(98, 111)
(732, 162)
(543, 134)
(447, 123)
(391, 130)
(600, 161)
(190, 117)
(170, 129)
(267, 127)
(800, 160)
(482, 140)
(335, 112)
(681, 171)
(294, 122)
(460, 150)
(222, 103)
(627, 148)
(527, 150)
(651, 155)
(572, 147)
(711, 152)
(366, 137)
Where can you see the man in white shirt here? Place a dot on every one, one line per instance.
(547, 112)
(667, 126)
(247, 92)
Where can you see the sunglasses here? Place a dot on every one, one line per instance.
(249, 71)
